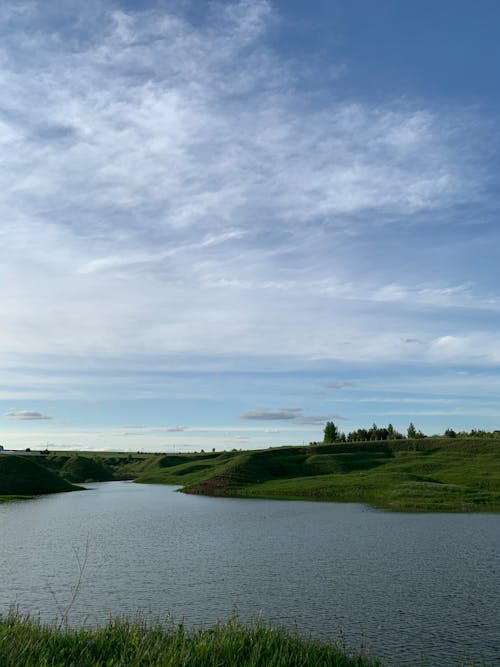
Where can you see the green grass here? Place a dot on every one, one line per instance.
(435, 474)
(21, 476)
(85, 469)
(97, 466)
(124, 644)
(9, 498)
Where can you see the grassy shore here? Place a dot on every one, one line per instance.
(435, 474)
(124, 644)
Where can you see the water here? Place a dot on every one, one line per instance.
(411, 588)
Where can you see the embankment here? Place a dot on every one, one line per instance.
(433, 474)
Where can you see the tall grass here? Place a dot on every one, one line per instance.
(29, 643)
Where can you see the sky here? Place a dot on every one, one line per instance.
(224, 223)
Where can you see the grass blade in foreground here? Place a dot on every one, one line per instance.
(124, 644)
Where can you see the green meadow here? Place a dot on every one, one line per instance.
(435, 474)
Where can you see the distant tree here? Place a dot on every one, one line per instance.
(330, 433)
(450, 433)
(480, 433)
(377, 433)
(412, 431)
(392, 434)
(360, 435)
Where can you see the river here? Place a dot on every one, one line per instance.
(410, 588)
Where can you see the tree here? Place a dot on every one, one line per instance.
(331, 433)
(412, 431)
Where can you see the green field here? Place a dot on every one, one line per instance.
(124, 644)
(435, 474)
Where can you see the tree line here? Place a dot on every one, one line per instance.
(331, 433)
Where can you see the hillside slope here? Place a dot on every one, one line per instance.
(21, 476)
(435, 474)
(86, 469)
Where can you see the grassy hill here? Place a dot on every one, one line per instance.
(86, 469)
(434, 474)
(21, 476)
(96, 466)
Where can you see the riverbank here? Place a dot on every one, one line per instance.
(121, 643)
(431, 475)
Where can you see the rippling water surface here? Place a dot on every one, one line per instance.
(421, 588)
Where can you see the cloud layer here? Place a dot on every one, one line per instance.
(180, 199)
(169, 188)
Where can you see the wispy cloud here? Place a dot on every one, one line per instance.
(339, 384)
(283, 414)
(295, 415)
(166, 151)
(26, 415)
(178, 196)
(170, 429)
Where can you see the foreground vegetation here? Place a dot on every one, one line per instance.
(434, 474)
(124, 644)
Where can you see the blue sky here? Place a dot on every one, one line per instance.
(224, 223)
